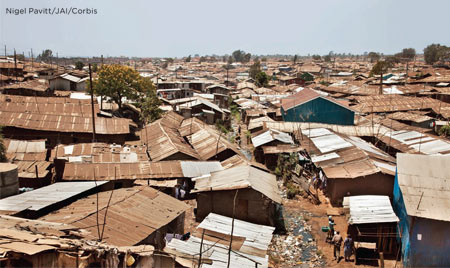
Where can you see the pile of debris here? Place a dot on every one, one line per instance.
(297, 248)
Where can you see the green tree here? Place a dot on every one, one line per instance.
(316, 57)
(436, 52)
(169, 60)
(295, 59)
(381, 67)
(247, 58)
(46, 55)
(373, 56)
(118, 81)
(241, 56)
(149, 104)
(188, 59)
(230, 60)
(94, 67)
(327, 58)
(79, 65)
(262, 79)
(255, 69)
(408, 53)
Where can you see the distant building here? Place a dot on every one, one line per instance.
(68, 82)
(310, 106)
(422, 202)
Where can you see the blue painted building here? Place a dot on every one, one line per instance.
(422, 203)
(310, 106)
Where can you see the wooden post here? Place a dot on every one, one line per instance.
(15, 64)
(201, 248)
(381, 260)
(92, 103)
(232, 228)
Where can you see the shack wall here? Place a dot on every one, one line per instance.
(251, 206)
(375, 184)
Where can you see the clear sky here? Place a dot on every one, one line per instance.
(176, 28)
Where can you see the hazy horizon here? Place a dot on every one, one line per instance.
(140, 28)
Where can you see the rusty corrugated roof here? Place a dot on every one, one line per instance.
(133, 214)
(100, 153)
(47, 105)
(28, 150)
(164, 140)
(111, 171)
(64, 123)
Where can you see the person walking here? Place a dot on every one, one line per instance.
(330, 229)
(337, 242)
(348, 248)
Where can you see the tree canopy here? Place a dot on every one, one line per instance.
(316, 57)
(373, 56)
(46, 55)
(381, 67)
(118, 82)
(254, 69)
(262, 79)
(436, 52)
(241, 56)
(79, 65)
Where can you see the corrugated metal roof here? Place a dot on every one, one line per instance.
(111, 171)
(208, 142)
(193, 169)
(329, 143)
(369, 209)
(164, 140)
(133, 214)
(410, 117)
(46, 196)
(271, 135)
(47, 105)
(345, 156)
(32, 150)
(64, 123)
(253, 248)
(394, 103)
(27, 169)
(240, 177)
(282, 148)
(417, 141)
(424, 182)
(101, 153)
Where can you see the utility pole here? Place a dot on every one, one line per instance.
(5, 51)
(92, 103)
(15, 64)
(32, 60)
(102, 59)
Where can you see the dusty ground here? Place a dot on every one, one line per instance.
(316, 216)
